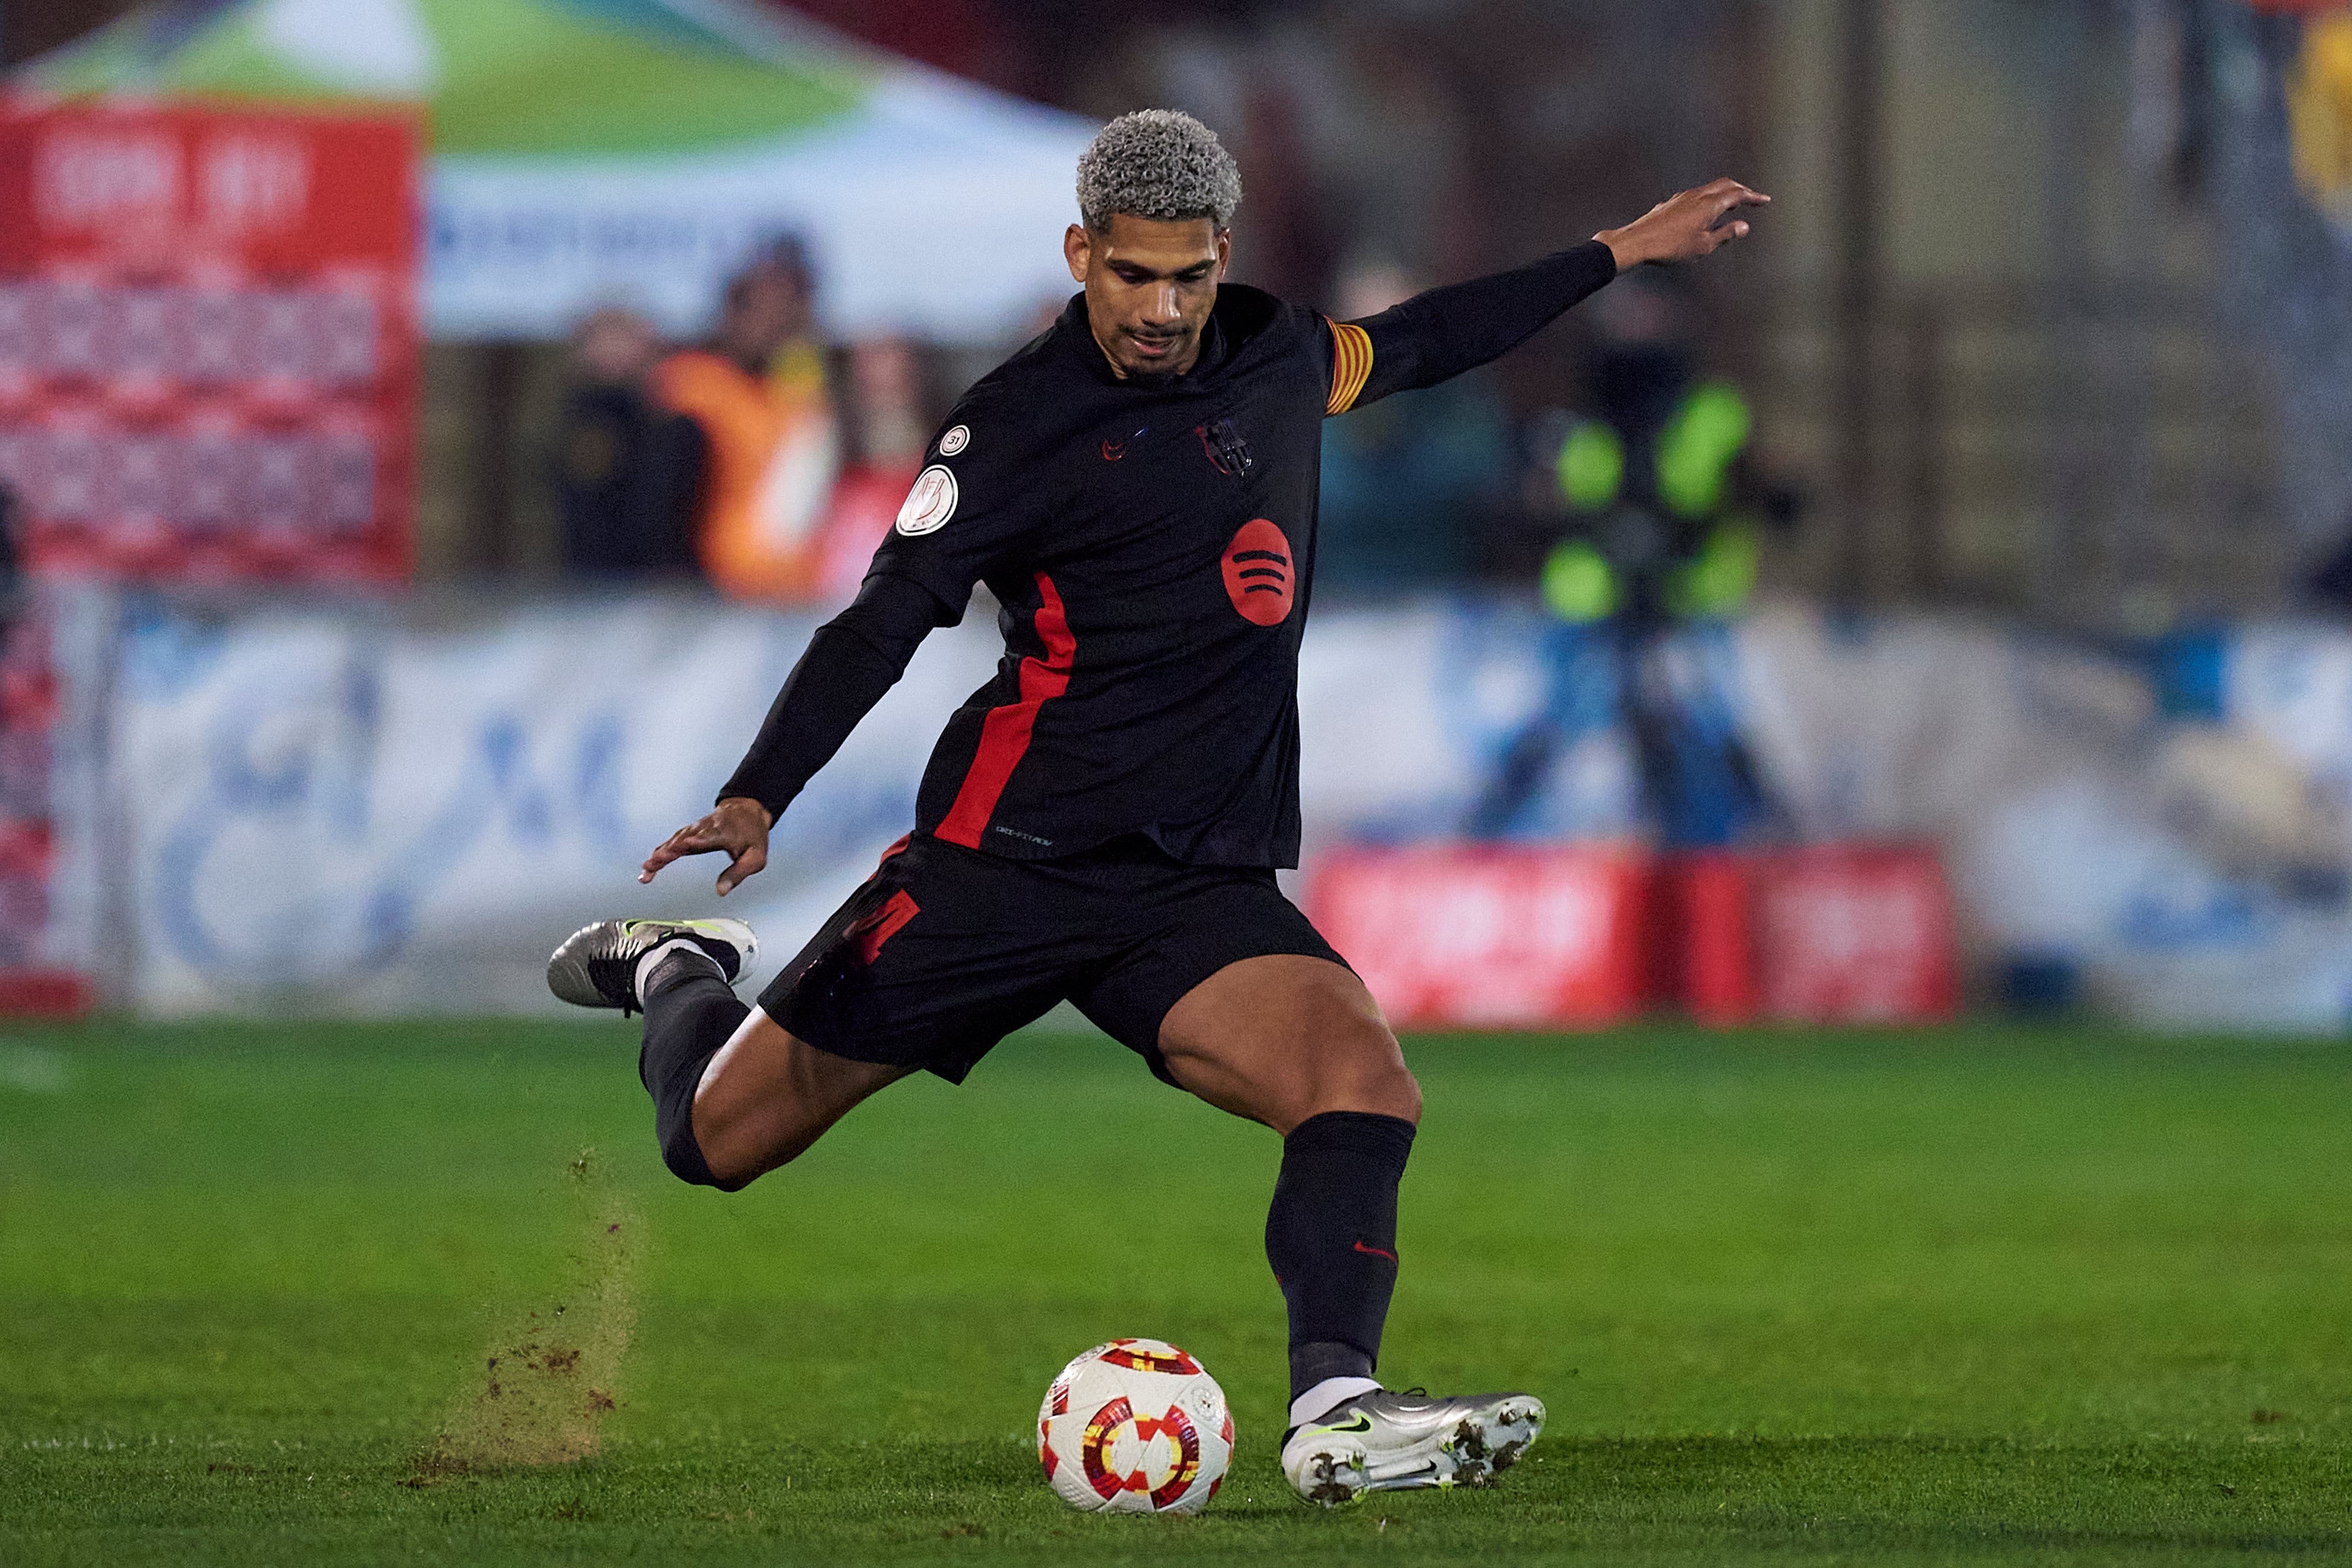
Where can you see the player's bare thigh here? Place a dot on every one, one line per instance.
(768, 1094)
(1282, 1036)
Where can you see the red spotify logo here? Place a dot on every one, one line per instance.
(1260, 573)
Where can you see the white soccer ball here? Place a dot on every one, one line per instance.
(1135, 1427)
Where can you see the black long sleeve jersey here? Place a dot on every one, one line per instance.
(1151, 547)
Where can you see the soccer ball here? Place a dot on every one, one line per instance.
(1135, 1427)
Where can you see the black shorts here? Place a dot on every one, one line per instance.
(945, 951)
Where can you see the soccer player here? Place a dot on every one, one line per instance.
(1102, 820)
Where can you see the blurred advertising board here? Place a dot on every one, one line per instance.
(1465, 936)
(33, 979)
(208, 341)
(402, 805)
(208, 366)
(1479, 936)
(1830, 933)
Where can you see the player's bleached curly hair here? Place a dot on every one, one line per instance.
(1157, 164)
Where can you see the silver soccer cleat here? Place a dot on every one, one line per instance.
(597, 964)
(1382, 1441)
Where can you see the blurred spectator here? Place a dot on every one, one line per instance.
(1411, 483)
(2319, 103)
(770, 445)
(887, 420)
(1660, 500)
(625, 467)
(1661, 528)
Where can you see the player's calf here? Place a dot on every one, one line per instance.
(1330, 1237)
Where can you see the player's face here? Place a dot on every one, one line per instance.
(1149, 286)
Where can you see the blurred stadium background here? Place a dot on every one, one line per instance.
(404, 542)
(430, 430)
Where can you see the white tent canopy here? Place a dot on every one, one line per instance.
(937, 214)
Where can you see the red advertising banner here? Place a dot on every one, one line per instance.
(1853, 934)
(1840, 933)
(1575, 936)
(1481, 936)
(208, 341)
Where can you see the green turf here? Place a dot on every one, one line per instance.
(1973, 1296)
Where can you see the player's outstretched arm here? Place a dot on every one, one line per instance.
(737, 827)
(1445, 331)
(1684, 226)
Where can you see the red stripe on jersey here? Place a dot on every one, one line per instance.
(1004, 733)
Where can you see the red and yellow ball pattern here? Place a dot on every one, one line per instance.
(1136, 1426)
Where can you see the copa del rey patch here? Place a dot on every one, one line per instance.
(930, 503)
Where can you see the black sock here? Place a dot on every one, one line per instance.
(1331, 1238)
(689, 1013)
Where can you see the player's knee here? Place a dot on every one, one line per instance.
(1364, 1069)
(708, 1177)
(1406, 1090)
(1390, 1089)
(729, 1151)
(683, 1153)
(735, 1157)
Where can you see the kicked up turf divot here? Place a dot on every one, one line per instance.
(547, 1384)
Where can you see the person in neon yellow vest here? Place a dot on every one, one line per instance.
(1700, 556)
(1664, 526)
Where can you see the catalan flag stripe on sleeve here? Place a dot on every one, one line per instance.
(1351, 363)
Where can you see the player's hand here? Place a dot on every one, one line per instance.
(738, 826)
(1684, 226)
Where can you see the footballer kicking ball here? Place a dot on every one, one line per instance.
(1135, 1427)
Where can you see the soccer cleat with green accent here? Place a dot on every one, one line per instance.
(1382, 1441)
(597, 964)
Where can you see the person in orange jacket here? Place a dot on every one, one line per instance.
(757, 393)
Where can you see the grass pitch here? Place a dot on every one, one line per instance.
(1971, 1296)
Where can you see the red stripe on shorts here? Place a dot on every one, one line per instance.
(870, 930)
(1004, 733)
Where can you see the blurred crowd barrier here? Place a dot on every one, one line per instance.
(401, 807)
